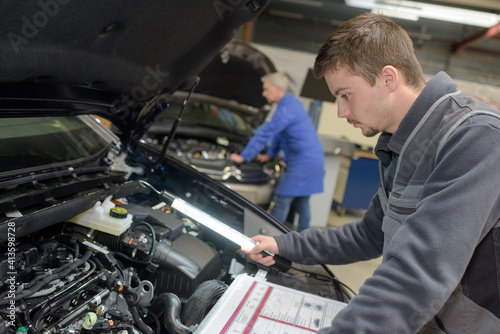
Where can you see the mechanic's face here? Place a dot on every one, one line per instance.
(270, 92)
(363, 106)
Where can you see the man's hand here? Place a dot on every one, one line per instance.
(263, 158)
(263, 243)
(236, 158)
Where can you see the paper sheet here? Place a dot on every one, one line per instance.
(253, 306)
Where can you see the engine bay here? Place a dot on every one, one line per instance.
(70, 277)
(99, 251)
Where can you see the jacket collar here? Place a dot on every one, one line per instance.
(441, 84)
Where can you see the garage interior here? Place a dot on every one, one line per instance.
(124, 211)
(465, 49)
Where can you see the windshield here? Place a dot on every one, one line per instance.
(29, 142)
(207, 114)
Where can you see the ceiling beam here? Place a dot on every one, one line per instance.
(492, 32)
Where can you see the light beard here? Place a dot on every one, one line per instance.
(370, 132)
(367, 132)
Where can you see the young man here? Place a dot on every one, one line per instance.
(291, 130)
(435, 216)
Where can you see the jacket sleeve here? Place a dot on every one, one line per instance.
(278, 123)
(359, 240)
(428, 255)
(274, 148)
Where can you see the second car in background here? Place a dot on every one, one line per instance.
(219, 119)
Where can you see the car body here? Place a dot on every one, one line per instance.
(222, 114)
(92, 238)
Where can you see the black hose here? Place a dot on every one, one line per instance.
(66, 239)
(31, 326)
(113, 242)
(138, 320)
(169, 305)
(77, 262)
(202, 301)
(156, 321)
(98, 264)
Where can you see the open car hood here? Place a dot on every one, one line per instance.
(123, 52)
(235, 74)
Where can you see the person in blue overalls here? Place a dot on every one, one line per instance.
(292, 131)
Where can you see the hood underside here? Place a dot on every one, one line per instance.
(235, 74)
(136, 49)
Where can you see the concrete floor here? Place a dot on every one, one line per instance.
(352, 275)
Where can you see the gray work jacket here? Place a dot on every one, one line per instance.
(433, 219)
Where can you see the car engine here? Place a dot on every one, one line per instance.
(117, 267)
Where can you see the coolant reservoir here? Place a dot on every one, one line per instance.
(105, 217)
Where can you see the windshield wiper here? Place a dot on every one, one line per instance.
(58, 186)
(36, 177)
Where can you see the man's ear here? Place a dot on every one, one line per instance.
(390, 77)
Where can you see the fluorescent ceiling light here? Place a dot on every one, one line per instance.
(396, 13)
(412, 10)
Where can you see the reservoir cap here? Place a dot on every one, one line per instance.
(118, 212)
